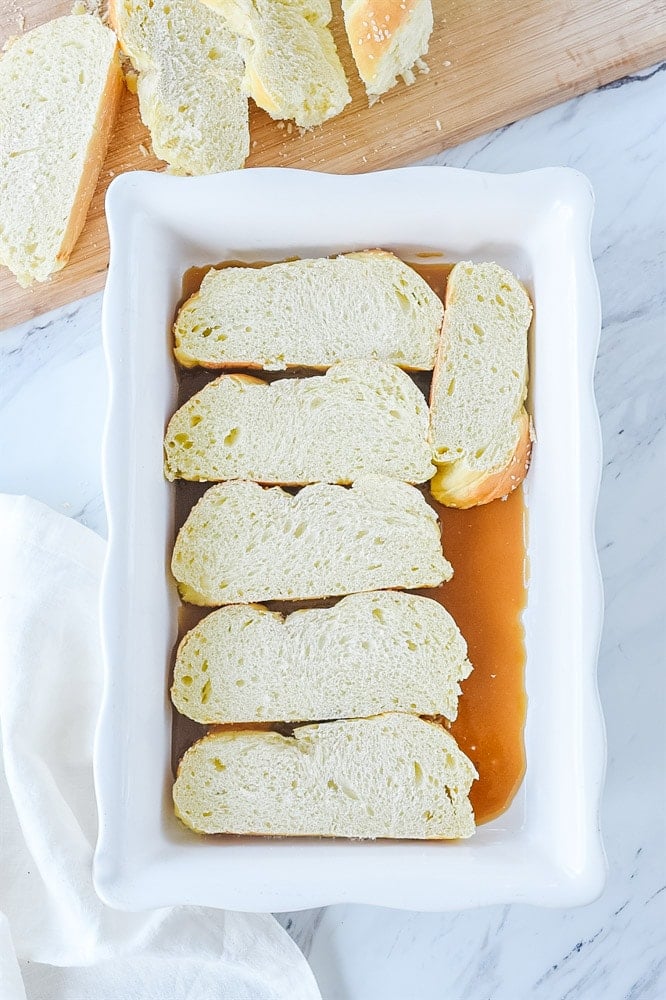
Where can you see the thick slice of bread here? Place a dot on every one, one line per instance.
(313, 313)
(292, 68)
(368, 654)
(387, 38)
(360, 417)
(189, 82)
(244, 544)
(59, 90)
(480, 430)
(388, 776)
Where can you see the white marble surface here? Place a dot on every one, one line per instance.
(52, 399)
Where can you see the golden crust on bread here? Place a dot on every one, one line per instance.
(479, 386)
(456, 485)
(97, 149)
(387, 38)
(371, 25)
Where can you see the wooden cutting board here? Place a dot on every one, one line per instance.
(491, 62)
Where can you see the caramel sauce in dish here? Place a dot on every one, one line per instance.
(487, 595)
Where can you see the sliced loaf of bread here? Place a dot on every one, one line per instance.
(292, 67)
(388, 776)
(480, 429)
(244, 544)
(370, 653)
(358, 418)
(189, 83)
(387, 39)
(60, 85)
(313, 313)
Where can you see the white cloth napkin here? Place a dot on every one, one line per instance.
(57, 939)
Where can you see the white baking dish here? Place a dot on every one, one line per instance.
(547, 848)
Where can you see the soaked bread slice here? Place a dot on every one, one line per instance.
(479, 427)
(388, 776)
(359, 418)
(313, 313)
(244, 544)
(370, 653)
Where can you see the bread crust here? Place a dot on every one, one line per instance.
(112, 18)
(371, 28)
(456, 485)
(186, 592)
(95, 154)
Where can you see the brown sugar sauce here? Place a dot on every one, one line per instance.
(487, 595)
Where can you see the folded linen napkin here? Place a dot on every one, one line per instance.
(58, 941)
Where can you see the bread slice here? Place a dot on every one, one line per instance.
(480, 430)
(59, 90)
(387, 39)
(388, 776)
(370, 653)
(292, 68)
(360, 417)
(189, 83)
(244, 544)
(313, 313)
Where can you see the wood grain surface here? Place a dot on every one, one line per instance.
(491, 62)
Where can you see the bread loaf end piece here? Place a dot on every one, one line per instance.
(388, 38)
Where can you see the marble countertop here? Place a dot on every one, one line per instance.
(52, 401)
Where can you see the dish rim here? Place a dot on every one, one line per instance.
(128, 876)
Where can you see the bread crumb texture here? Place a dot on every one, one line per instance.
(313, 312)
(368, 654)
(392, 775)
(477, 414)
(292, 67)
(189, 82)
(360, 417)
(242, 543)
(52, 85)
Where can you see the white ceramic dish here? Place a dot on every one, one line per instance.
(546, 849)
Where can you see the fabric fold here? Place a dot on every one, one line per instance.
(50, 690)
